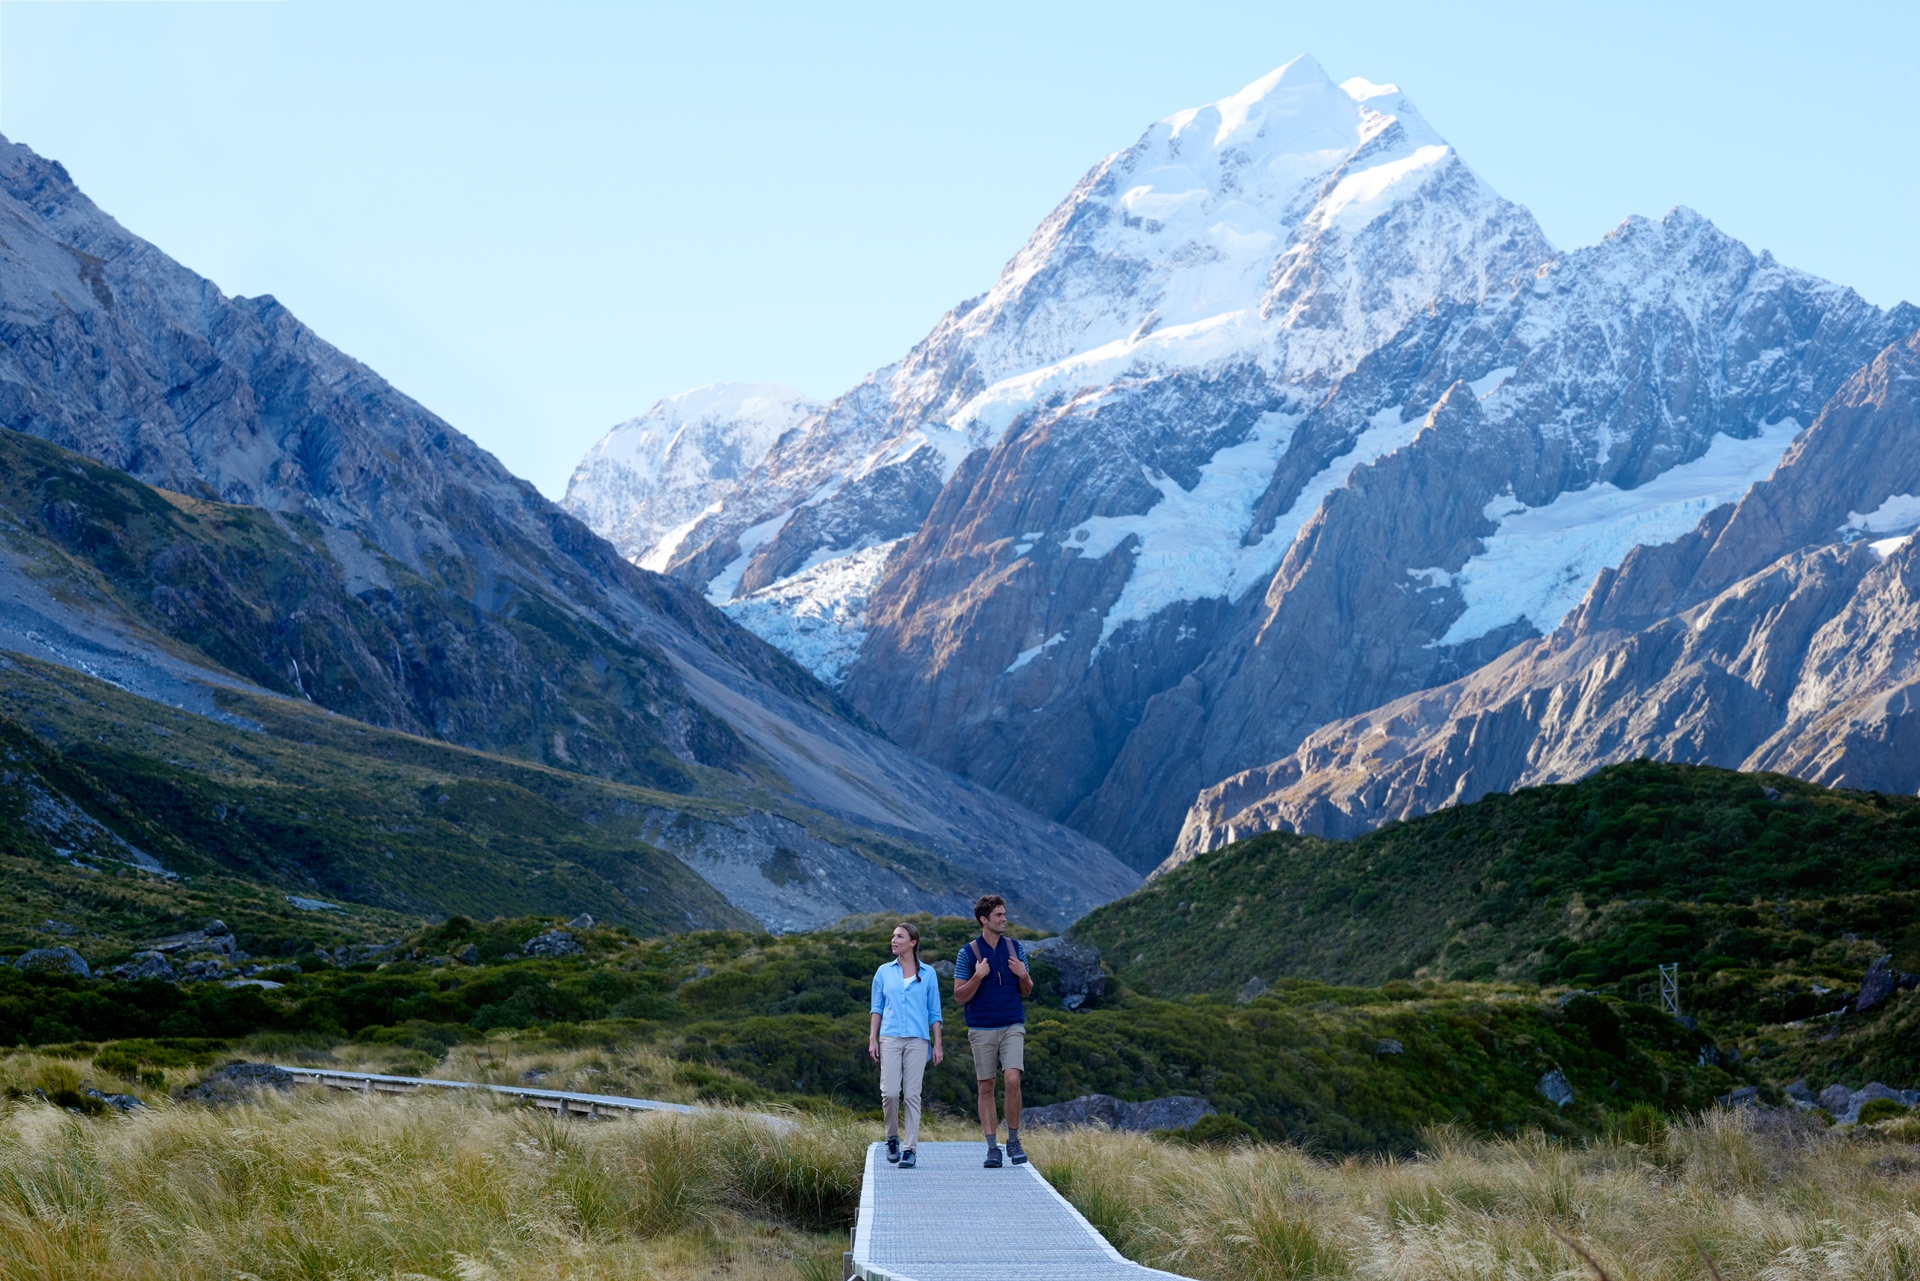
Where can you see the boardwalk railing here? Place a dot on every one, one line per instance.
(560, 1102)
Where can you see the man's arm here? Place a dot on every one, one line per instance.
(1017, 965)
(965, 985)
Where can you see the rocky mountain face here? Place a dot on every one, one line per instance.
(652, 477)
(325, 538)
(1781, 634)
(1282, 415)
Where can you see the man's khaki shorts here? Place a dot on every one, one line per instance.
(996, 1049)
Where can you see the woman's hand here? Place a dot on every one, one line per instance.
(938, 1052)
(873, 1050)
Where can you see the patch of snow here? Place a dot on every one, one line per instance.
(661, 555)
(1540, 561)
(1432, 577)
(1189, 543)
(817, 617)
(1028, 655)
(1899, 514)
(752, 539)
(1488, 383)
(1885, 547)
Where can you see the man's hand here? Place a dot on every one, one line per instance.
(873, 1050)
(1016, 966)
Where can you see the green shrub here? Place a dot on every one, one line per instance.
(1219, 1130)
(1882, 1110)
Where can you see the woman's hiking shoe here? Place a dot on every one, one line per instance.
(893, 1149)
(908, 1160)
(993, 1158)
(1015, 1153)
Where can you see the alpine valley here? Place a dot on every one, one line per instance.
(1288, 478)
(272, 623)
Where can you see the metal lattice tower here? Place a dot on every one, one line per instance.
(1670, 989)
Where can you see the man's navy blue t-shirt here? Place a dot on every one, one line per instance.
(997, 1003)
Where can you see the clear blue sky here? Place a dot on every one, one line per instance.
(539, 218)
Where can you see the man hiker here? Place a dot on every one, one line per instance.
(990, 979)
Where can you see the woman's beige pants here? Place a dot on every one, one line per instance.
(903, 1062)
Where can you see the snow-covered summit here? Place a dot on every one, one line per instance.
(651, 476)
(1297, 223)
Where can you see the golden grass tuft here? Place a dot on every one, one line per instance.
(318, 1185)
(1740, 1193)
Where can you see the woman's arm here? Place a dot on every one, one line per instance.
(873, 1037)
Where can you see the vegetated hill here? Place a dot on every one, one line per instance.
(124, 820)
(751, 1017)
(1584, 883)
(343, 545)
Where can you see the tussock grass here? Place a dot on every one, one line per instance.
(314, 1185)
(323, 1185)
(1758, 1196)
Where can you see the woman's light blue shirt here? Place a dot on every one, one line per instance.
(906, 1008)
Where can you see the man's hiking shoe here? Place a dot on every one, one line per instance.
(908, 1160)
(993, 1158)
(893, 1149)
(1016, 1153)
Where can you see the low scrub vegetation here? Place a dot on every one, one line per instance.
(753, 1019)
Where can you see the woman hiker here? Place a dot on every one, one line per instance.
(906, 1017)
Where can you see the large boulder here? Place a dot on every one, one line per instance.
(1081, 976)
(146, 965)
(54, 960)
(1881, 982)
(552, 944)
(235, 1082)
(1104, 1112)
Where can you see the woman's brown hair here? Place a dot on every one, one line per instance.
(913, 932)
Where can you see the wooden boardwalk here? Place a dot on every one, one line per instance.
(562, 1102)
(952, 1220)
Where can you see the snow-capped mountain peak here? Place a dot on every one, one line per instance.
(651, 477)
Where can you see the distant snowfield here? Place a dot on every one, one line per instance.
(1542, 559)
(818, 617)
(1189, 542)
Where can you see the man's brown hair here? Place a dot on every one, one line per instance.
(984, 905)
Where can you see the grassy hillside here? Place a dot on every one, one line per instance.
(392, 827)
(754, 1018)
(1773, 896)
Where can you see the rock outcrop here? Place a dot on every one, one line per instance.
(1104, 1112)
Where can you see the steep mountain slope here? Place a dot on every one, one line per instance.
(1282, 414)
(650, 478)
(394, 572)
(1780, 634)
